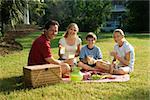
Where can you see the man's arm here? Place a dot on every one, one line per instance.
(52, 60)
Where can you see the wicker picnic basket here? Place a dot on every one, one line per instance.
(39, 75)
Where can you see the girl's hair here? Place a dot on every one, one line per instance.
(120, 31)
(69, 26)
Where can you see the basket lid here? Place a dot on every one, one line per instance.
(38, 67)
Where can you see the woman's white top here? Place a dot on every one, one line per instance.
(125, 48)
(69, 50)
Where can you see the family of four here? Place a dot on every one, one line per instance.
(90, 55)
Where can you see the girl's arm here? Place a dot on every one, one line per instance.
(114, 61)
(125, 60)
(78, 50)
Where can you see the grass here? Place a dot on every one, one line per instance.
(138, 88)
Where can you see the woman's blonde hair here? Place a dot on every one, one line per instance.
(69, 26)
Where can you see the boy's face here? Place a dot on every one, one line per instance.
(90, 40)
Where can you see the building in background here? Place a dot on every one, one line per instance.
(117, 12)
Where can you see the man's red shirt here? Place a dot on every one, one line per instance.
(39, 51)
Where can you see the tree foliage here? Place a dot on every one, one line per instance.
(138, 16)
(88, 14)
(12, 12)
(37, 11)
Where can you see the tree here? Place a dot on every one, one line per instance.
(92, 14)
(89, 15)
(37, 11)
(11, 12)
(138, 16)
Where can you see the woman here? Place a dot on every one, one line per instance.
(70, 45)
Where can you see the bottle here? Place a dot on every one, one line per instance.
(76, 74)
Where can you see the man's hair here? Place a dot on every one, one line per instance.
(49, 23)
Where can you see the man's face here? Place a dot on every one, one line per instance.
(52, 32)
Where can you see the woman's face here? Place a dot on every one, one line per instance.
(117, 37)
(72, 30)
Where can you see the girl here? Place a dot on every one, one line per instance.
(123, 52)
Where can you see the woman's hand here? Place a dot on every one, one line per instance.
(70, 61)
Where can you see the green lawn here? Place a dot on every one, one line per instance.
(138, 88)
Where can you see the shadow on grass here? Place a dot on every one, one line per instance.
(141, 94)
(140, 36)
(27, 41)
(10, 84)
(110, 35)
(27, 44)
(134, 94)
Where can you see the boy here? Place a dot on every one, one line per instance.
(90, 55)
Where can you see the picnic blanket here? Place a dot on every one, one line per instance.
(114, 78)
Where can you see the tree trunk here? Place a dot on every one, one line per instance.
(26, 14)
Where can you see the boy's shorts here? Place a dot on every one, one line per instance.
(124, 68)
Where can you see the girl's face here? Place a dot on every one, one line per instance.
(72, 30)
(117, 37)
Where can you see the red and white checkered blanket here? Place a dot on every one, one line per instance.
(111, 78)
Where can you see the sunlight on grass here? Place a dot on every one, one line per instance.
(11, 74)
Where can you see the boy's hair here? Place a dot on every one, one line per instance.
(49, 23)
(91, 35)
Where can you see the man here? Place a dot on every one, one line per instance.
(40, 52)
